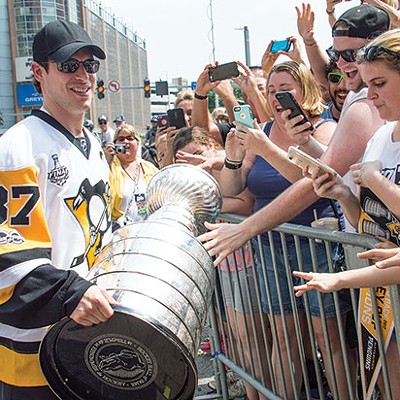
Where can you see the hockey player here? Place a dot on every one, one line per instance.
(54, 210)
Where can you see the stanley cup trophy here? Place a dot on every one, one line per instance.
(163, 279)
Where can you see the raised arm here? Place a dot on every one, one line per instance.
(316, 57)
(200, 113)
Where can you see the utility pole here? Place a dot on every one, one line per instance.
(247, 45)
(245, 30)
(213, 45)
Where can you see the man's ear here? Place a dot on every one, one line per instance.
(37, 71)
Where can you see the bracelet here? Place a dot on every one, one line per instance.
(230, 164)
(199, 96)
(330, 12)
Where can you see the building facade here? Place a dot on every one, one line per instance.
(122, 72)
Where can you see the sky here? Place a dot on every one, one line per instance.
(178, 33)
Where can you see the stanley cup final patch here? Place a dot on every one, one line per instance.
(121, 362)
(59, 174)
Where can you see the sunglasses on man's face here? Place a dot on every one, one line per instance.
(348, 55)
(70, 66)
(335, 77)
(103, 123)
(372, 53)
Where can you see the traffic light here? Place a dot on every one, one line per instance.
(147, 88)
(100, 89)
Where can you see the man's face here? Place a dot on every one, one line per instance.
(103, 125)
(119, 123)
(66, 93)
(338, 92)
(350, 69)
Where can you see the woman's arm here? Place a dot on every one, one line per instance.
(357, 278)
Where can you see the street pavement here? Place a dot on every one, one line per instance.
(205, 368)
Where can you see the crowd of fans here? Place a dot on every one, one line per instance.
(348, 96)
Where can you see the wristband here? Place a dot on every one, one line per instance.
(199, 96)
(310, 44)
(330, 12)
(230, 164)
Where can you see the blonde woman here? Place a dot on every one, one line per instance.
(129, 177)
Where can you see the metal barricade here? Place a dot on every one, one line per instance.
(281, 358)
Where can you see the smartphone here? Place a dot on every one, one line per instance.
(302, 160)
(278, 45)
(288, 102)
(162, 121)
(223, 71)
(244, 115)
(120, 148)
(176, 117)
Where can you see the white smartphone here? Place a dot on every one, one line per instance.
(302, 160)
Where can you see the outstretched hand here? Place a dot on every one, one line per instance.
(222, 240)
(385, 257)
(324, 283)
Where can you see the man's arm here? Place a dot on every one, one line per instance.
(355, 128)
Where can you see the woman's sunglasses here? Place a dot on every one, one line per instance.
(372, 53)
(348, 55)
(335, 77)
(72, 65)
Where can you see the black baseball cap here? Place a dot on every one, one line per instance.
(102, 118)
(119, 118)
(364, 21)
(59, 40)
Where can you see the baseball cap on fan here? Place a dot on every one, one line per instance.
(363, 21)
(59, 40)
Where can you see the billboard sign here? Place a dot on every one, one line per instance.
(28, 96)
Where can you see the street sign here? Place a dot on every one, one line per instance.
(114, 86)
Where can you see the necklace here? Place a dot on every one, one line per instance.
(134, 195)
(136, 174)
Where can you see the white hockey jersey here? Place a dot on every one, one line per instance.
(54, 219)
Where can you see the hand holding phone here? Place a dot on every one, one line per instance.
(162, 121)
(223, 71)
(280, 45)
(176, 118)
(244, 115)
(288, 102)
(302, 160)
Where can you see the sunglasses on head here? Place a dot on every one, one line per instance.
(348, 55)
(72, 65)
(335, 77)
(372, 53)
